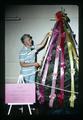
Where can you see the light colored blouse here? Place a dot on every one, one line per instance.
(28, 56)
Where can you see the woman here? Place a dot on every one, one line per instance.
(27, 57)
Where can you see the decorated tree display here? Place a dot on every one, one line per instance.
(58, 76)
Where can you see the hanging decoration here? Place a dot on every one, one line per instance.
(61, 36)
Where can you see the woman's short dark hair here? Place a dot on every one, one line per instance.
(25, 36)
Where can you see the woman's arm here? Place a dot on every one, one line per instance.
(23, 64)
(43, 43)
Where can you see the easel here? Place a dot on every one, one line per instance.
(20, 80)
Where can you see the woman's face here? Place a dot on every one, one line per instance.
(28, 42)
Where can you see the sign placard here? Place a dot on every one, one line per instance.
(20, 93)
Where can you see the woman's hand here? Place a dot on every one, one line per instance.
(44, 41)
(37, 65)
(49, 33)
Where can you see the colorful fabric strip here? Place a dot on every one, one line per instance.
(62, 71)
(55, 73)
(70, 46)
(41, 89)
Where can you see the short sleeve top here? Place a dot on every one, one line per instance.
(28, 56)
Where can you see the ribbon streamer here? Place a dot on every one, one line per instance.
(72, 97)
(56, 32)
(62, 71)
(55, 72)
(49, 51)
(73, 49)
(59, 49)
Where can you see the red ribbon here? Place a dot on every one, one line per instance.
(61, 42)
(41, 88)
(62, 66)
